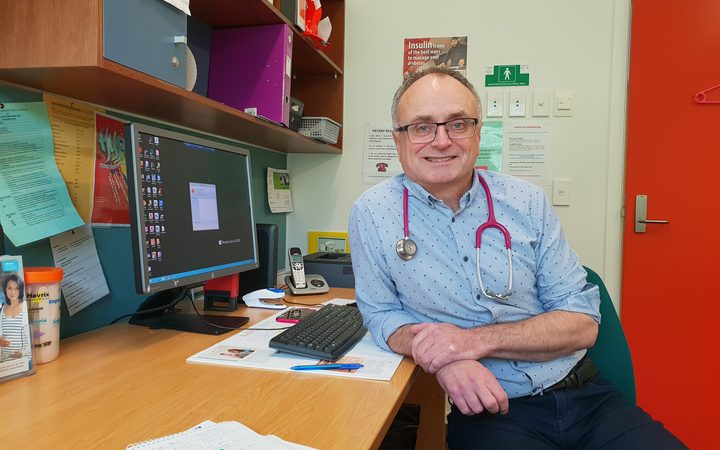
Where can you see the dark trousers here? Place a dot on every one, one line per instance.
(593, 416)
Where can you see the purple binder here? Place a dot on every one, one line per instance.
(250, 70)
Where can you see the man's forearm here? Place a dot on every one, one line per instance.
(401, 340)
(541, 338)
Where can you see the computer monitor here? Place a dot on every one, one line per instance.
(191, 220)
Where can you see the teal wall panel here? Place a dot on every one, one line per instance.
(113, 243)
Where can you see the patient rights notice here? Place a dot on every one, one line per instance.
(34, 201)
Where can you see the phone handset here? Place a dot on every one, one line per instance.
(297, 268)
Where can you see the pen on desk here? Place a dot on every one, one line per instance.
(328, 366)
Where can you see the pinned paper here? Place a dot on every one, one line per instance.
(84, 282)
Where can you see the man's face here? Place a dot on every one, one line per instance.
(441, 164)
(453, 43)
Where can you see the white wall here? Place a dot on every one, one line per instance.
(569, 44)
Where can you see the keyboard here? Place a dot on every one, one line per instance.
(326, 334)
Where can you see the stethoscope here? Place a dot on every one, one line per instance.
(407, 249)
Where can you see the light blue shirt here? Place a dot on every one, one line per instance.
(440, 283)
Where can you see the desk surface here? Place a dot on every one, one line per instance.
(124, 383)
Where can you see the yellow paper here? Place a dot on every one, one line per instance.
(73, 129)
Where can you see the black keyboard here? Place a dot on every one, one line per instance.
(326, 334)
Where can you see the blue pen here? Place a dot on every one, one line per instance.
(328, 366)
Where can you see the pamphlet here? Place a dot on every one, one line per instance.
(15, 345)
(250, 349)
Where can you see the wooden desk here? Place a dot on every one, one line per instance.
(124, 383)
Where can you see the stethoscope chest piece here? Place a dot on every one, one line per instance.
(406, 249)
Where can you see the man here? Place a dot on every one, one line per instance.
(455, 57)
(509, 352)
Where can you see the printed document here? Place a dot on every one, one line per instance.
(249, 348)
(212, 436)
(73, 130)
(34, 201)
(278, 189)
(83, 281)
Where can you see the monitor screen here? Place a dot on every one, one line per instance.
(191, 209)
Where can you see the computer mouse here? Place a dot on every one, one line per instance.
(317, 283)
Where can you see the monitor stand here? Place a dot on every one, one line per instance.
(158, 311)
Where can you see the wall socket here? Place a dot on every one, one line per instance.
(496, 100)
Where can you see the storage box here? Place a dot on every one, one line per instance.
(320, 128)
(251, 69)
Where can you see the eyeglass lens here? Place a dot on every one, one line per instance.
(420, 133)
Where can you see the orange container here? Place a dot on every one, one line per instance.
(42, 288)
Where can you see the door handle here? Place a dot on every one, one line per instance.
(641, 214)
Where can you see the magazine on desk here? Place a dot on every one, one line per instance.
(249, 349)
(15, 345)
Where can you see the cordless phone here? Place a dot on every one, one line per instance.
(297, 268)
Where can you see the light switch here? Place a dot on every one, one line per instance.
(541, 103)
(517, 104)
(561, 192)
(495, 104)
(564, 103)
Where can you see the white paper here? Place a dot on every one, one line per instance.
(279, 192)
(380, 160)
(324, 29)
(209, 435)
(249, 349)
(527, 151)
(182, 5)
(83, 279)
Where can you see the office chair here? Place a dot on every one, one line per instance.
(611, 353)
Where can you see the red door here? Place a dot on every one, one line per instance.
(671, 273)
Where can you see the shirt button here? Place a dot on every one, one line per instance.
(515, 363)
(478, 296)
(453, 220)
(465, 258)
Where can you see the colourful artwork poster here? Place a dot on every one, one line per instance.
(110, 199)
(422, 53)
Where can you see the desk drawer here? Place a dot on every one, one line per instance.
(139, 34)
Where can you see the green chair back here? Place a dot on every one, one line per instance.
(611, 353)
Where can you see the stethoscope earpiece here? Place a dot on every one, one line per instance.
(406, 249)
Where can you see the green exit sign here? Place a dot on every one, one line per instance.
(514, 75)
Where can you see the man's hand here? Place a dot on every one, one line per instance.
(437, 344)
(473, 388)
(4, 342)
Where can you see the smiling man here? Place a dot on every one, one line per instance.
(504, 328)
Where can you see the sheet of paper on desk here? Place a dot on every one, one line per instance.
(224, 435)
(249, 349)
(33, 197)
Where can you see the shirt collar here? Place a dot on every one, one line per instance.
(415, 190)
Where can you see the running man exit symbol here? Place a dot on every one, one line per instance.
(509, 75)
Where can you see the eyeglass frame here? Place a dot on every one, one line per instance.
(437, 125)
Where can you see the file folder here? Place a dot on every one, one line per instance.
(251, 68)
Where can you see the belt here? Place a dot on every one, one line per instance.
(583, 371)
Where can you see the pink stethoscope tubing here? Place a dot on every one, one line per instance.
(490, 223)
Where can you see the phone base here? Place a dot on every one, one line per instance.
(316, 284)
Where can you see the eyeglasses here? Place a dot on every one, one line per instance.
(424, 132)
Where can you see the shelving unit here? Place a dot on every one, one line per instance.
(58, 47)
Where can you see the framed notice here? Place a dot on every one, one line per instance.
(328, 241)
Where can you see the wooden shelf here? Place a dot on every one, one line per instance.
(45, 54)
(307, 59)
